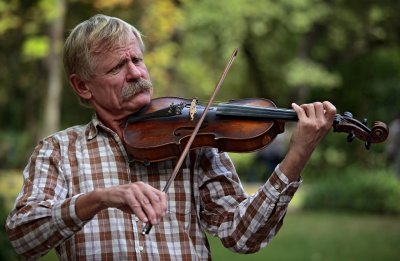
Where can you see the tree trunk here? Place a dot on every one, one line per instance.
(51, 120)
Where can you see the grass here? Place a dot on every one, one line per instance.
(309, 236)
(314, 236)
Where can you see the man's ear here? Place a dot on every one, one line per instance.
(80, 87)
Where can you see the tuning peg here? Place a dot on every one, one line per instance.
(348, 114)
(337, 119)
(367, 145)
(351, 137)
(365, 121)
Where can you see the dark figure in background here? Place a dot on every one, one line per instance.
(85, 196)
(393, 145)
(272, 155)
(266, 159)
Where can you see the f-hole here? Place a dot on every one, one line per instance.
(189, 129)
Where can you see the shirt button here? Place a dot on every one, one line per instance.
(135, 218)
(140, 249)
(277, 185)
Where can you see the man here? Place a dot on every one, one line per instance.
(86, 197)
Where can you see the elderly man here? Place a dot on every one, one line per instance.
(85, 196)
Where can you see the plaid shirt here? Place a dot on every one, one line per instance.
(205, 196)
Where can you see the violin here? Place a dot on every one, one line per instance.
(161, 130)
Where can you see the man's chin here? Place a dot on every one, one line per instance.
(139, 100)
(145, 94)
(148, 91)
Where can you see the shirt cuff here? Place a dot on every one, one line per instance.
(278, 184)
(65, 217)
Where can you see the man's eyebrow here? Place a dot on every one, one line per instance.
(121, 60)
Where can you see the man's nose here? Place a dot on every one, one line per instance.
(133, 71)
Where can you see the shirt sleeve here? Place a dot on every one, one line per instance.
(44, 214)
(244, 223)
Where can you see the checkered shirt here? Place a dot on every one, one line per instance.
(206, 196)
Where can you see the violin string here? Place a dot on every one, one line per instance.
(256, 112)
(256, 108)
(227, 105)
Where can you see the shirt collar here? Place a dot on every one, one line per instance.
(92, 128)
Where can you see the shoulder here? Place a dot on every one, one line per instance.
(73, 132)
(65, 138)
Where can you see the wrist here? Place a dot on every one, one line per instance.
(89, 204)
(293, 164)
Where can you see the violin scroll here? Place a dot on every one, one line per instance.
(356, 129)
(379, 131)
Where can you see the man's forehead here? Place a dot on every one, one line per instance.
(115, 55)
(126, 44)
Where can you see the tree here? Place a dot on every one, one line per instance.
(56, 16)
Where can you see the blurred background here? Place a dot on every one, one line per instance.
(344, 51)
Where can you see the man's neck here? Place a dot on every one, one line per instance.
(116, 125)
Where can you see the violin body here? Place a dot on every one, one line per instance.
(162, 129)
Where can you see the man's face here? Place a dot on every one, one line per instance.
(121, 83)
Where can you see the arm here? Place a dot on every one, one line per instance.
(315, 120)
(43, 216)
(245, 224)
(47, 212)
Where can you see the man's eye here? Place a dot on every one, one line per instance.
(116, 68)
(136, 60)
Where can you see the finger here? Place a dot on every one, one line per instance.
(299, 110)
(162, 201)
(151, 211)
(137, 209)
(163, 197)
(309, 109)
(157, 203)
(330, 110)
(319, 110)
(137, 202)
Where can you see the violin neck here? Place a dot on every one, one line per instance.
(262, 113)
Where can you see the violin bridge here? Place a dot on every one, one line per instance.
(192, 109)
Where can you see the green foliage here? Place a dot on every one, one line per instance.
(46, 7)
(8, 19)
(244, 164)
(366, 191)
(14, 149)
(6, 250)
(36, 47)
(304, 72)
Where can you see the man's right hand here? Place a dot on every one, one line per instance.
(146, 202)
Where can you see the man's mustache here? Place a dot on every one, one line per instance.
(135, 87)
